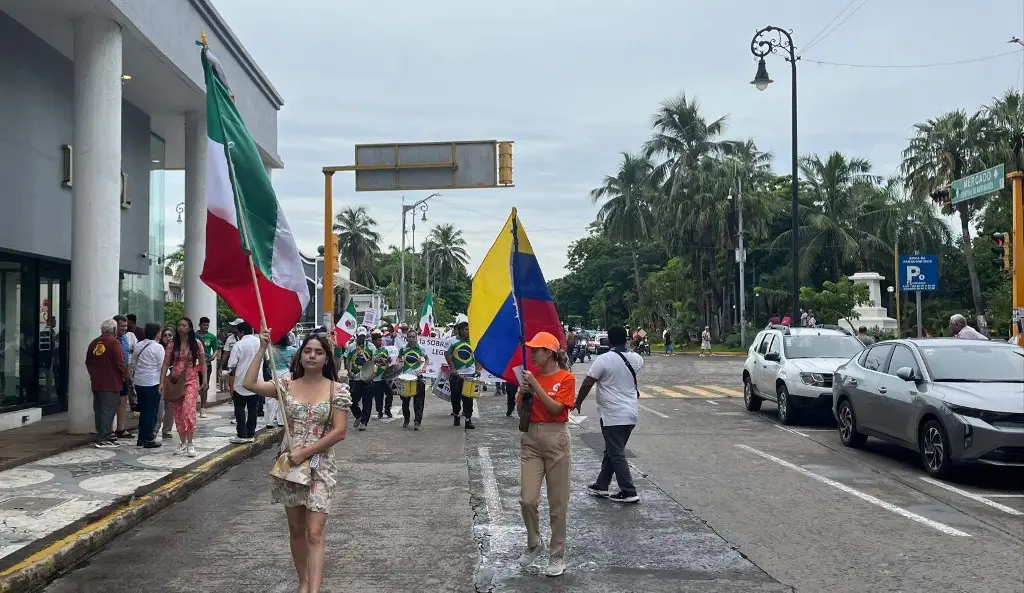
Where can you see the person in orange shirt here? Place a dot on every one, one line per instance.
(546, 449)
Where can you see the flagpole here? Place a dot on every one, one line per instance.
(247, 247)
(515, 285)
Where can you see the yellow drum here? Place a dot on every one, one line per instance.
(471, 387)
(408, 382)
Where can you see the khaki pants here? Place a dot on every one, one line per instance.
(546, 455)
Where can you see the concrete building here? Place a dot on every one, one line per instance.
(97, 99)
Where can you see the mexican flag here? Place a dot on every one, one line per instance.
(244, 219)
(427, 316)
(346, 326)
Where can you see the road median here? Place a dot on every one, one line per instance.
(63, 550)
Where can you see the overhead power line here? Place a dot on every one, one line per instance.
(818, 39)
(814, 39)
(932, 65)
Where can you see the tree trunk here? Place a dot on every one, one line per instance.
(836, 272)
(636, 272)
(972, 267)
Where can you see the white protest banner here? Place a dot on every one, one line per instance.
(435, 349)
(370, 318)
(487, 377)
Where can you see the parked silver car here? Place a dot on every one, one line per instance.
(793, 367)
(953, 401)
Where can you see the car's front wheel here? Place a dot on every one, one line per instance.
(934, 445)
(750, 401)
(847, 421)
(787, 412)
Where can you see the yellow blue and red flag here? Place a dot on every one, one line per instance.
(510, 303)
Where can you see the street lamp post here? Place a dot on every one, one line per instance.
(768, 41)
(422, 205)
(741, 259)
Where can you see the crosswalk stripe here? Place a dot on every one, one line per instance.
(697, 391)
(666, 392)
(644, 395)
(728, 392)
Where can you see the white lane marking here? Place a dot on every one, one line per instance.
(781, 427)
(712, 402)
(1004, 496)
(656, 413)
(861, 495)
(491, 495)
(976, 497)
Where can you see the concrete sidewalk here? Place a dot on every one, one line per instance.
(62, 506)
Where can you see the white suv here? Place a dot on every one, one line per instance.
(793, 367)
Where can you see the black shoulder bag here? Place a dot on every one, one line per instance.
(631, 371)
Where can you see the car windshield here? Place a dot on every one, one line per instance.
(974, 362)
(821, 346)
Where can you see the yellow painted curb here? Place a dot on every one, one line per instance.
(42, 566)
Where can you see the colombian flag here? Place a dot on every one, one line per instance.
(510, 303)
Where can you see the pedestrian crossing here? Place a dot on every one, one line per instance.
(688, 392)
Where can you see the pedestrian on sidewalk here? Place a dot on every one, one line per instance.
(104, 359)
(361, 368)
(211, 348)
(461, 364)
(546, 449)
(165, 416)
(383, 373)
(282, 354)
(317, 415)
(414, 361)
(243, 355)
(184, 360)
(128, 341)
(146, 364)
(618, 405)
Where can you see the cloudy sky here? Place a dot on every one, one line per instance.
(575, 82)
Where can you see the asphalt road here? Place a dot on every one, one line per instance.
(732, 502)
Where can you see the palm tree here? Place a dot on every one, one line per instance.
(842, 191)
(175, 264)
(942, 150)
(626, 216)
(1007, 116)
(358, 242)
(447, 248)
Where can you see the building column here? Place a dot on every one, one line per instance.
(200, 300)
(95, 204)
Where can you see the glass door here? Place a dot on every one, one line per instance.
(51, 344)
(11, 343)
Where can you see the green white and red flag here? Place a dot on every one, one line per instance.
(427, 316)
(346, 326)
(244, 219)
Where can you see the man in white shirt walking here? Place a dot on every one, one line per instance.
(614, 372)
(246, 402)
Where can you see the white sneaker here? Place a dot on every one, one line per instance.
(530, 555)
(556, 566)
(202, 413)
(238, 441)
(190, 450)
(180, 450)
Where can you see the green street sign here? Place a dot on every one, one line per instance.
(979, 184)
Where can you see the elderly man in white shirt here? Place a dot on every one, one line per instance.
(961, 330)
(614, 373)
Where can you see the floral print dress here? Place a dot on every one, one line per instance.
(307, 423)
(188, 370)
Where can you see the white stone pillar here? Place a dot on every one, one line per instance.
(200, 300)
(95, 205)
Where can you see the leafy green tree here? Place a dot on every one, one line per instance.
(358, 242)
(835, 300)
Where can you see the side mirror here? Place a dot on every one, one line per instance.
(906, 373)
(772, 356)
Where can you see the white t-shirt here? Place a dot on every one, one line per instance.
(242, 355)
(616, 392)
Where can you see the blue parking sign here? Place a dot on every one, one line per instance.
(919, 273)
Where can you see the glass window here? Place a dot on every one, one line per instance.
(902, 357)
(765, 342)
(876, 357)
(822, 346)
(975, 361)
(10, 335)
(144, 294)
(776, 346)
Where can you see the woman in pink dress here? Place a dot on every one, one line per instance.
(186, 359)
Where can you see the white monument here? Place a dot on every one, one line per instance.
(870, 314)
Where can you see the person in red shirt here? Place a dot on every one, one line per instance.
(104, 360)
(546, 448)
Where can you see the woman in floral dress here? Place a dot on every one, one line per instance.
(186, 359)
(315, 407)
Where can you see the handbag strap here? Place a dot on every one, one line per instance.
(631, 372)
(139, 357)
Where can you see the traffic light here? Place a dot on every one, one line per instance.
(504, 163)
(1001, 248)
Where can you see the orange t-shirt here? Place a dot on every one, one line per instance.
(560, 387)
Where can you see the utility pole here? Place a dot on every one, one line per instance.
(1017, 257)
(330, 250)
(421, 205)
(401, 283)
(741, 259)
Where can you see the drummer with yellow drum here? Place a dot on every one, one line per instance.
(463, 368)
(414, 363)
